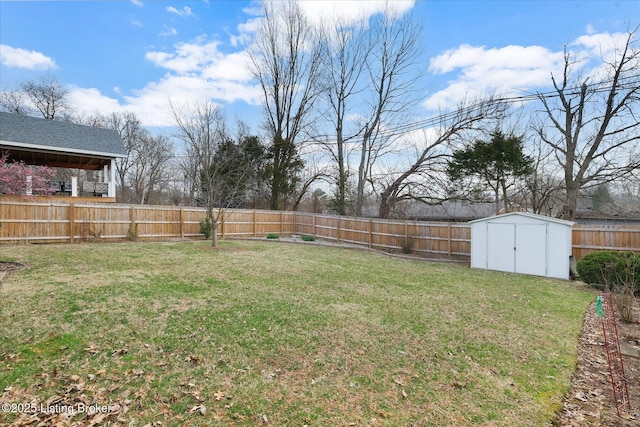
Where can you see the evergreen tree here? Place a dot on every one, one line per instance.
(495, 164)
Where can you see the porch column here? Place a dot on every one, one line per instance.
(29, 188)
(112, 178)
(74, 186)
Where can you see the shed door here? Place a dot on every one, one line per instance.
(531, 249)
(501, 243)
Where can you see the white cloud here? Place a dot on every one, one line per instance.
(478, 71)
(137, 3)
(203, 58)
(475, 71)
(195, 70)
(596, 51)
(168, 31)
(137, 23)
(90, 100)
(187, 57)
(152, 102)
(22, 58)
(352, 11)
(246, 30)
(601, 45)
(185, 11)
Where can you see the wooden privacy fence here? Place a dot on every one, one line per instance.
(591, 238)
(29, 221)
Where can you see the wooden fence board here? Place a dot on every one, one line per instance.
(35, 221)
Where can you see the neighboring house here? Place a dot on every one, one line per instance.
(589, 213)
(58, 144)
(450, 211)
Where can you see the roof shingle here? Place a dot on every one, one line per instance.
(60, 136)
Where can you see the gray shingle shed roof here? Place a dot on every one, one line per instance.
(32, 133)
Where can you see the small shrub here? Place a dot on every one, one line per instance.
(307, 238)
(619, 272)
(206, 227)
(272, 236)
(406, 243)
(132, 233)
(610, 268)
(90, 234)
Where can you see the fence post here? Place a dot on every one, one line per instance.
(254, 223)
(370, 232)
(295, 223)
(182, 223)
(72, 222)
(406, 230)
(132, 217)
(221, 224)
(313, 222)
(449, 239)
(338, 230)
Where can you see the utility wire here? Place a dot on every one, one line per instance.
(596, 87)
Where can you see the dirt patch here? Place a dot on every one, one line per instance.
(590, 402)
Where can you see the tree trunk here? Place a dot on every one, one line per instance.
(570, 203)
(214, 233)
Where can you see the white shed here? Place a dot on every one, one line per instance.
(521, 242)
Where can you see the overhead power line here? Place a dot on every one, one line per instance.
(596, 87)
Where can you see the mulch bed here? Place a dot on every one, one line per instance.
(589, 402)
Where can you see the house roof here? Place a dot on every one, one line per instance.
(528, 215)
(31, 139)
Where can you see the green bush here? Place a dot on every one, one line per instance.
(272, 236)
(610, 268)
(132, 233)
(307, 238)
(206, 227)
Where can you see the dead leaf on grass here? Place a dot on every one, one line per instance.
(384, 414)
(200, 409)
(218, 395)
(120, 351)
(92, 349)
(192, 359)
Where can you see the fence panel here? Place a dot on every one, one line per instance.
(326, 227)
(36, 221)
(43, 222)
(590, 238)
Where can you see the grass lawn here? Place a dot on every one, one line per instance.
(281, 334)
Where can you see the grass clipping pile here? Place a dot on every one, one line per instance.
(589, 402)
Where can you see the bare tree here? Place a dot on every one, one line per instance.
(391, 67)
(219, 182)
(14, 102)
(131, 134)
(202, 128)
(149, 170)
(591, 125)
(422, 179)
(345, 50)
(48, 96)
(540, 191)
(146, 167)
(286, 60)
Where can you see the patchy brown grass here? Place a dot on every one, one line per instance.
(256, 332)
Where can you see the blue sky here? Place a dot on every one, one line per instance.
(134, 55)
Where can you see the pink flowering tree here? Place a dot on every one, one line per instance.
(14, 178)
